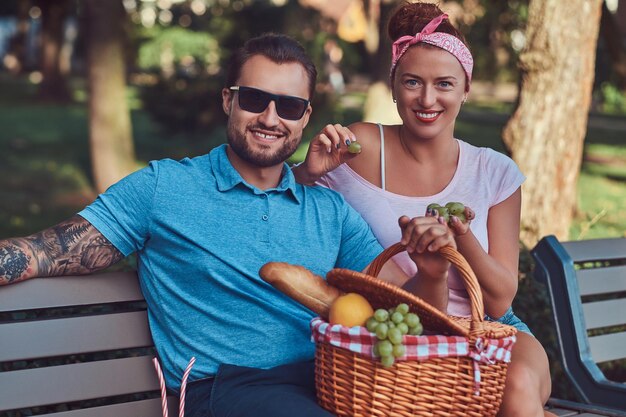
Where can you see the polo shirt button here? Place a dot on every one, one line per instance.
(264, 217)
(263, 196)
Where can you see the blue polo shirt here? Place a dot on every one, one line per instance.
(201, 234)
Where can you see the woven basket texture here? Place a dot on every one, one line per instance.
(349, 384)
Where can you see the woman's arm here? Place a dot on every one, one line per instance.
(496, 270)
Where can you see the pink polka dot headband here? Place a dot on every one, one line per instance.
(441, 40)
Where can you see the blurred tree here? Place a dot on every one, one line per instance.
(54, 83)
(613, 39)
(494, 31)
(15, 61)
(110, 137)
(545, 135)
(366, 21)
(185, 95)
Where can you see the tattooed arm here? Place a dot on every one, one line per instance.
(73, 247)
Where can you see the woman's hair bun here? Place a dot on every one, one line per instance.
(410, 18)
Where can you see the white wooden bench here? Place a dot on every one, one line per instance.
(586, 283)
(77, 346)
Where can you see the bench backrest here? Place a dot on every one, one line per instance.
(77, 346)
(586, 282)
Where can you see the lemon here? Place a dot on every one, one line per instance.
(350, 310)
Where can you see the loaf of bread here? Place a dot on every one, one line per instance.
(302, 285)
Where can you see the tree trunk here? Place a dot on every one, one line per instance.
(379, 106)
(54, 84)
(110, 137)
(545, 135)
(16, 61)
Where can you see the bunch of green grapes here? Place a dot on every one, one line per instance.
(389, 327)
(450, 209)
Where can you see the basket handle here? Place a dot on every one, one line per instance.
(469, 279)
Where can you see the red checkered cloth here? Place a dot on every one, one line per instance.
(359, 340)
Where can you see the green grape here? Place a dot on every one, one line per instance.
(455, 208)
(390, 332)
(397, 317)
(411, 319)
(381, 315)
(395, 336)
(416, 330)
(398, 350)
(387, 361)
(403, 327)
(371, 324)
(402, 308)
(443, 212)
(458, 210)
(381, 331)
(354, 147)
(432, 206)
(385, 348)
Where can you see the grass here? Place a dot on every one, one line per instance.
(45, 168)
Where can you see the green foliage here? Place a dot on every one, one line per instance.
(183, 104)
(186, 49)
(612, 99)
(184, 95)
(494, 33)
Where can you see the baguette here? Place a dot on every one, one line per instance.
(302, 285)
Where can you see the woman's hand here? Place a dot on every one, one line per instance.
(327, 150)
(423, 237)
(458, 227)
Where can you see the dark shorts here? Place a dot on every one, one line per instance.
(512, 320)
(284, 391)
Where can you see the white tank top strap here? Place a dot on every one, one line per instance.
(382, 156)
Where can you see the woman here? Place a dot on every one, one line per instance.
(404, 168)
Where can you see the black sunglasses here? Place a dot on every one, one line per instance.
(256, 101)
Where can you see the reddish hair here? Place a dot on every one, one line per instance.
(410, 18)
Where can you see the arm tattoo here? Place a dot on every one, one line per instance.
(73, 247)
(13, 262)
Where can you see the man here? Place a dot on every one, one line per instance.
(203, 227)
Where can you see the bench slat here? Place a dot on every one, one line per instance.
(596, 249)
(607, 347)
(70, 291)
(601, 280)
(23, 340)
(144, 408)
(605, 313)
(75, 382)
(561, 412)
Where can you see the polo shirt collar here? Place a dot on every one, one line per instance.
(227, 177)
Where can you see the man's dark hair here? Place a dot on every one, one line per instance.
(278, 48)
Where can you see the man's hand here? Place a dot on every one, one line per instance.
(327, 150)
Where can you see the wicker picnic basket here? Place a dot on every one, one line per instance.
(349, 384)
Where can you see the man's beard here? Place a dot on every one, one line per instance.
(239, 145)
